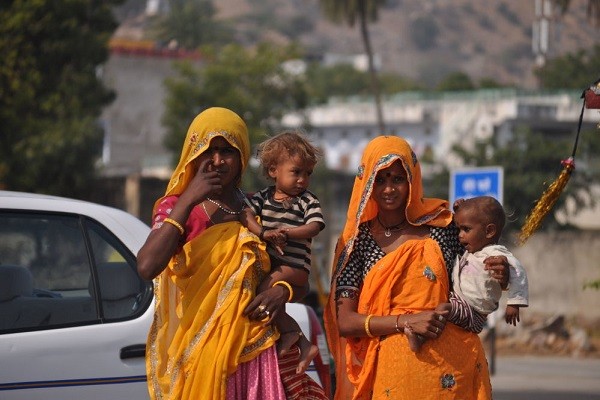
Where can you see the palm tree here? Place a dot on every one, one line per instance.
(365, 11)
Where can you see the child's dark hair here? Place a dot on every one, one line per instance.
(490, 209)
(285, 145)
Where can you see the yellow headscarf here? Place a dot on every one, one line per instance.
(380, 153)
(198, 336)
(210, 123)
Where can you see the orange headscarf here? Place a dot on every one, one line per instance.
(380, 153)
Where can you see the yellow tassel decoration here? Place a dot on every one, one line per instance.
(547, 201)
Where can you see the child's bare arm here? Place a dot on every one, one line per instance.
(307, 231)
(248, 219)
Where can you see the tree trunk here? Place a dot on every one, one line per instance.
(374, 80)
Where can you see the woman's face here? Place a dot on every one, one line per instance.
(391, 188)
(224, 159)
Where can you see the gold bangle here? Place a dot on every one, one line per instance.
(175, 224)
(288, 286)
(367, 325)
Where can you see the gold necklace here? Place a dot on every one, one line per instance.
(389, 229)
(206, 212)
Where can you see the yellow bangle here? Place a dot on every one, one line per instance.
(175, 224)
(288, 286)
(367, 325)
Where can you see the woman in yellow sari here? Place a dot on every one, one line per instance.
(389, 275)
(207, 267)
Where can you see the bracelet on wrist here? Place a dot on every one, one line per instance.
(175, 224)
(397, 327)
(368, 325)
(288, 286)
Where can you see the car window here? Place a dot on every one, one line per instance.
(59, 270)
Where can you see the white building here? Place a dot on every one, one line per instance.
(433, 123)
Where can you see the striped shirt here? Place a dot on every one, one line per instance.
(301, 210)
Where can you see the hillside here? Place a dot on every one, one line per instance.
(423, 40)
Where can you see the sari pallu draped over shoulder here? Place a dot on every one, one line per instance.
(199, 336)
(387, 289)
(198, 325)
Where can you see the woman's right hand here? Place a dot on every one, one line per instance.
(205, 183)
(429, 323)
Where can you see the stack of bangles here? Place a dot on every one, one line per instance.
(288, 286)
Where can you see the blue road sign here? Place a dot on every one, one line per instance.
(471, 182)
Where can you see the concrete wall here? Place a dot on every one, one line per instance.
(558, 265)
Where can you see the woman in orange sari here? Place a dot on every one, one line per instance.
(389, 275)
(207, 341)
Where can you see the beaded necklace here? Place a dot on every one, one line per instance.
(224, 209)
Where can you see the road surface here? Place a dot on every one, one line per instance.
(547, 378)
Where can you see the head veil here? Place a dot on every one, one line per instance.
(210, 123)
(179, 335)
(380, 153)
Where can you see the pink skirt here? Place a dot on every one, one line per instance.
(257, 379)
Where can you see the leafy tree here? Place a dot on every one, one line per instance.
(364, 11)
(254, 84)
(576, 70)
(456, 81)
(50, 93)
(531, 161)
(191, 24)
(345, 80)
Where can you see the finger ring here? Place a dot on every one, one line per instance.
(261, 308)
(437, 330)
(440, 318)
(267, 312)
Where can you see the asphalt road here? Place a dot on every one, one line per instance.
(547, 378)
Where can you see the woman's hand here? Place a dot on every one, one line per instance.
(204, 184)
(268, 304)
(428, 324)
(499, 268)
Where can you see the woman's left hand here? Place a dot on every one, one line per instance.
(499, 268)
(268, 304)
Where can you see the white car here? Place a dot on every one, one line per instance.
(74, 315)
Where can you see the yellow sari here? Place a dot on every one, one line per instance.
(410, 279)
(199, 336)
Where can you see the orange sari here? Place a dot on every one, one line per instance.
(410, 279)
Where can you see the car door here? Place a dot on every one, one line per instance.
(74, 314)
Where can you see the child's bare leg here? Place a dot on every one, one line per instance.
(290, 334)
(308, 352)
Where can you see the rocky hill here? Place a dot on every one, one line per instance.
(423, 40)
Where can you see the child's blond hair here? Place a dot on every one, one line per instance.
(286, 145)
